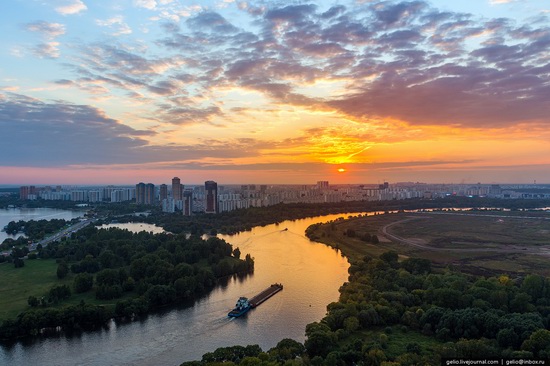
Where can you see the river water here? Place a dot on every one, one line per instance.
(310, 272)
(27, 214)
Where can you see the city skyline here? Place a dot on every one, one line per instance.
(270, 92)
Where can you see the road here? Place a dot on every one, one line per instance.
(61, 234)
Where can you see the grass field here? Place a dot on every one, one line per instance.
(35, 279)
(483, 243)
(17, 284)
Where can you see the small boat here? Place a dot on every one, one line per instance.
(241, 307)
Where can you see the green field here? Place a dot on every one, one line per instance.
(34, 279)
(482, 243)
(17, 284)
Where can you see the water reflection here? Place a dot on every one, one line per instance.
(310, 272)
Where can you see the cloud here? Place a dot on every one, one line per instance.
(72, 7)
(47, 30)
(71, 134)
(117, 24)
(146, 4)
(65, 133)
(47, 50)
(210, 21)
(397, 60)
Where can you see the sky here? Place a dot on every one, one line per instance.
(365, 91)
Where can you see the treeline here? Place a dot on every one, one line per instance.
(313, 233)
(286, 351)
(74, 317)
(235, 221)
(149, 270)
(37, 229)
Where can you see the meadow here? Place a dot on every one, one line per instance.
(479, 242)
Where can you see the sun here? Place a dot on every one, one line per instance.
(341, 170)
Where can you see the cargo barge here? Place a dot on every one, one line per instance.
(244, 304)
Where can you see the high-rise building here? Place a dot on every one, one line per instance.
(211, 189)
(322, 185)
(24, 192)
(176, 189)
(187, 202)
(163, 192)
(149, 194)
(140, 193)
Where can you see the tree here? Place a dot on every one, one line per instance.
(320, 339)
(287, 349)
(417, 265)
(33, 301)
(18, 262)
(83, 282)
(62, 270)
(391, 257)
(538, 343)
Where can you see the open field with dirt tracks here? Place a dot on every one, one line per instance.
(478, 242)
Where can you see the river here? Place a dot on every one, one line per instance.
(310, 272)
(27, 214)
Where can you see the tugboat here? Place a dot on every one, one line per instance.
(241, 307)
(244, 304)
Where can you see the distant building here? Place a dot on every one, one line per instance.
(176, 189)
(79, 196)
(187, 202)
(149, 194)
(163, 192)
(122, 194)
(95, 196)
(24, 192)
(168, 205)
(211, 192)
(145, 193)
(322, 185)
(140, 193)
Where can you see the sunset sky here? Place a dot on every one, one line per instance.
(117, 92)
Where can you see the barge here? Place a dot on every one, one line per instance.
(244, 304)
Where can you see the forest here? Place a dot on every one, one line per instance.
(37, 229)
(137, 272)
(395, 312)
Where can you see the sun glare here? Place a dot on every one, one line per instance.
(341, 170)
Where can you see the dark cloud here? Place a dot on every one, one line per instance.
(70, 134)
(63, 133)
(334, 11)
(212, 22)
(294, 14)
(400, 59)
(389, 13)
